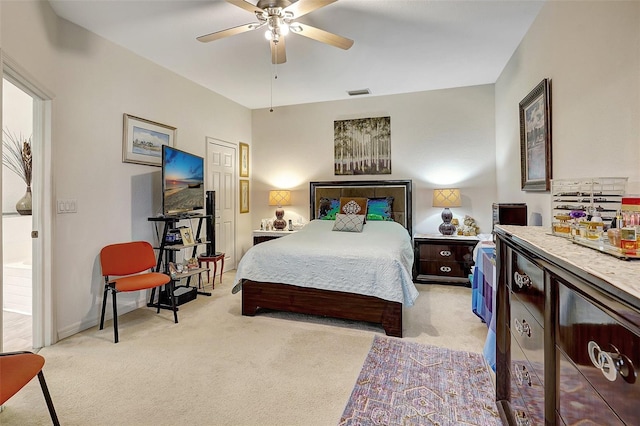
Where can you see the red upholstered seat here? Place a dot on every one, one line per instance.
(19, 368)
(130, 264)
(141, 282)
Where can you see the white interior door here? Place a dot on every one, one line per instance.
(40, 230)
(221, 178)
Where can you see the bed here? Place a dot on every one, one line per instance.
(370, 283)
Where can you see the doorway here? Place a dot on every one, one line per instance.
(221, 178)
(27, 246)
(17, 259)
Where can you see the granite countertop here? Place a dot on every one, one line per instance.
(624, 275)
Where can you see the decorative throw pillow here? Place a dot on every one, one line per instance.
(349, 222)
(353, 205)
(379, 208)
(328, 208)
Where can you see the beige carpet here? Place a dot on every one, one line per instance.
(217, 367)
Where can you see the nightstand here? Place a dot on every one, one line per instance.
(262, 236)
(443, 259)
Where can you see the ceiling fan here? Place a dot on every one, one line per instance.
(278, 17)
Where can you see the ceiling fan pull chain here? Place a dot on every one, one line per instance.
(271, 86)
(275, 75)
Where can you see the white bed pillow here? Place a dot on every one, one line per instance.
(349, 222)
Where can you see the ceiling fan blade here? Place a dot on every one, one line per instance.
(227, 33)
(278, 52)
(302, 7)
(245, 5)
(324, 36)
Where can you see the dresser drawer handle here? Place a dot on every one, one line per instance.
(445, 269)
(521, 418)
(522, 280)
(445, 253)
(611, 363)
(523, 327)
(522, 375)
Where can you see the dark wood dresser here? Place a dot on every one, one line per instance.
(443, 259)
(568, 332)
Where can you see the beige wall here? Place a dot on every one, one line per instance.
(591, 53)
(439, 139)
(94, 82)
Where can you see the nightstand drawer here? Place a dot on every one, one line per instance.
(446, 252)
(262, 236)
(443, 269)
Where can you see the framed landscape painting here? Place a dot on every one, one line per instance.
(362, 146)
(535, 138)
(142, 140)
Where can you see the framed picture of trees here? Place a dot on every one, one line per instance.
(362, 146)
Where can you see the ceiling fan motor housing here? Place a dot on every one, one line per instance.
(272, 4)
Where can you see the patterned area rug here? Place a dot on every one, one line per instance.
(406, 383)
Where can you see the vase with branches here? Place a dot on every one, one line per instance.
(16, 156)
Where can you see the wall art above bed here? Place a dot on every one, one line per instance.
(362, 146)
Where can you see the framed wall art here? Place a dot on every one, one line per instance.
(187, 236)
(244, 160)
(244, 196)
(362, 146)
(535, 138)
(142, 140)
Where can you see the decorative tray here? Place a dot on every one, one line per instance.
(607, 248)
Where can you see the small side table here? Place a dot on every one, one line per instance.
(203, 258)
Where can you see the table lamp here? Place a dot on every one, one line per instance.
(279, 197)
(447, 197)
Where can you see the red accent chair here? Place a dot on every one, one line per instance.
(19, 368)
(128, 262)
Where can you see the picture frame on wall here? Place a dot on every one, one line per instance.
(244, 160)
(362, 146)
(142, 140)
(244, 196)
(535, 138)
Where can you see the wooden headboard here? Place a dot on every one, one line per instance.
(400, 190)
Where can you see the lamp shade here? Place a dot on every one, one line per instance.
(279, 197)
(446, 197)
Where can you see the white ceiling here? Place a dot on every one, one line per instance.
(400, 46)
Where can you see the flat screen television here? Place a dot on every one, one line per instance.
(182, 182)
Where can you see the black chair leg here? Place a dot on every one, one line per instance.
(47, 398)
(115, 316)
(172, 288)
(153, 291)
(104, 305)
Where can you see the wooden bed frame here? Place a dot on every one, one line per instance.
(292, 298)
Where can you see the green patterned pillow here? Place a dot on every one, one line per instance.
(379, 208)
(328, 208)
